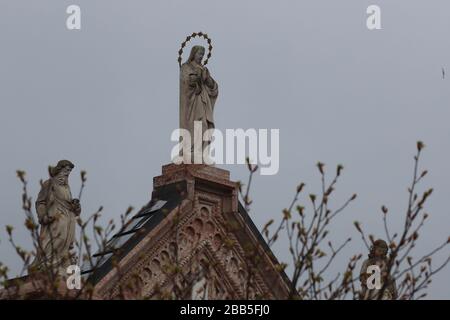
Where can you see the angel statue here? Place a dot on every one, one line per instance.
(57, 212)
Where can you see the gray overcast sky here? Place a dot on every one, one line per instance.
(106, 97)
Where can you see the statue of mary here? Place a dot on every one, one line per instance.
(198, 95)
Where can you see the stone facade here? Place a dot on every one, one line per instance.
(200, 244)
(205, 248)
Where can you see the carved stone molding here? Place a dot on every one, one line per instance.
(205, 232)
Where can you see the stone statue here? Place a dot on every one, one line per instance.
(57, 212)
(198, 94)
(377, 257)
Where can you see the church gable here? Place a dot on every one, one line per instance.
(204, 248)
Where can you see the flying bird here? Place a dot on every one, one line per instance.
(443, 73)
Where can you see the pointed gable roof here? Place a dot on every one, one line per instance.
(197, 205)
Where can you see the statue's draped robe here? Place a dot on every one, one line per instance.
(56, 239)
(197, 100)
(389, 293)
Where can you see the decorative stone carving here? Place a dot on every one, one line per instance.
(203, 238)
(198, 94)
(57, 212)
(377, 258)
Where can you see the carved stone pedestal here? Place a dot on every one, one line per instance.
(37, 287)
